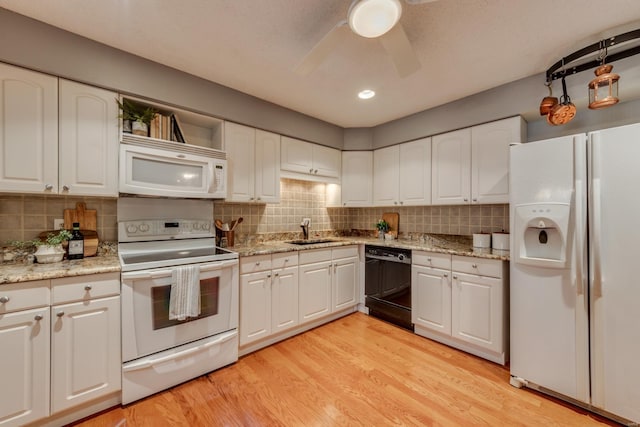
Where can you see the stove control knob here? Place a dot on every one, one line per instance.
(196, 226)
(132, 228)
(144, 227)
(206, 226)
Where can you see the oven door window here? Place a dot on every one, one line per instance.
(160, 295)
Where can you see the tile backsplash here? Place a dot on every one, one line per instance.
(24, 216)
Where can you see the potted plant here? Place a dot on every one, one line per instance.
(383, 227)
(139, 115)
(50, 250)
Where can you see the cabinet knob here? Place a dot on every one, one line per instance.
(475, 200)
(286, 260)
(48, 187)
(65, 188)
(395, 203)
(474, 265)
(311, 170)
(455, 277)
(315, 171)
(401, 202)
(60, 313)
(466, 199)
(269, 275)
(250, 198)
(257, 263)
(87, 287)
(4, 300)
(344, 204)
(259, 198)
(446, 275)
(429, 259)
(38, 317)
(277, 274)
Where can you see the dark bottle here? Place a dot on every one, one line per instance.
(76, 243)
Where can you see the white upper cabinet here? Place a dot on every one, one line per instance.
(357, 178)
(415, 172)
(88, 144)
(451, 167)
(309, 161)
(472, 165)
(402, 174)
(29, 137)
(490, 159)
(253, 159)
(56, 139)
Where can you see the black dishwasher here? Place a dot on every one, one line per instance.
(388, 284)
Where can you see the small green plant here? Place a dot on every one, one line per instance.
(136, 112)
(382, 225)
(53, 239)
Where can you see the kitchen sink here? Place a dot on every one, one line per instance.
(309, 242)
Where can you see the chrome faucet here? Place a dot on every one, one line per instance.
(306, 222)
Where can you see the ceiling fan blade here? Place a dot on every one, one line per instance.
(399, 48)
(322, 49)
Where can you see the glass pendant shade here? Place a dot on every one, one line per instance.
(603, 89)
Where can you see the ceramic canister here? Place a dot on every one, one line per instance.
(500, 241)
(482, 240)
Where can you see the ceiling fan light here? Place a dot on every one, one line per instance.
(373, 18)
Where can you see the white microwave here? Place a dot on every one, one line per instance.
(171, 170)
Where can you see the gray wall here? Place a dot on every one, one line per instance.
(32, 44)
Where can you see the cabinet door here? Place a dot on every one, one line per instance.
(450, 169)
(415, 173)
(88, 157)
(255, 306)
(86, 359)
(490, 159)
(345, 281)
(240, 146)
(267, 166)
(29, 136)
(386, 176)
(357, 177)
(477, 310)
(326, 161)
(24, 395)
(431, 298)
(315, 290)
(296, 155)
(284, 299)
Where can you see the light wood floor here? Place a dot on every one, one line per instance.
(354, 371)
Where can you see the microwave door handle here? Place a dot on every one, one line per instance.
(212, 178)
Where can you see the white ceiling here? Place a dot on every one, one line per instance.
(464, 46)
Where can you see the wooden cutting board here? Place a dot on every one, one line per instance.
(90, 241)
(393, 219)
(88, 218)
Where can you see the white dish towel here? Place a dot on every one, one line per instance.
(184, 300)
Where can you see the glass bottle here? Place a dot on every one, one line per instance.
(76, 243)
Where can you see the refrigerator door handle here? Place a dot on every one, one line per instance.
(596, 234)
(580, 229)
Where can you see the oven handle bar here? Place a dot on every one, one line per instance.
(154, 274)
(148, 363)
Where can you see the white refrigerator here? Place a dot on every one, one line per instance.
(575, 269)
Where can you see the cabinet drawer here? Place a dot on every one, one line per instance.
(85, 288)
(344, 252)
(284, 260)
(477, 266)
(20, 296)
(253, 264)
(314, 255)
(431, 259)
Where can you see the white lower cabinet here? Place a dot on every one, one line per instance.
(61, 349)
(268, 295)
(462, 302)
(328, 281)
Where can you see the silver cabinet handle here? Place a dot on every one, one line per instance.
(60, 313)
(429, 259)
(269, 275)
(466, 199)
(446, 275)
(395, 202)
(87, 287)
(65, 188)
(38, 317)
(315, 171)
(257, 263)
(4, 300)
(401, 202)
(250, 198)
(311, 170)
(455, 277)
(259, 198)
(48, 187)
(474, 265)
(286, 260)
(475, 200)
(277, 274)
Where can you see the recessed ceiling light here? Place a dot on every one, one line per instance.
(366, 94)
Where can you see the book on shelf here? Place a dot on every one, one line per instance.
(176, 130)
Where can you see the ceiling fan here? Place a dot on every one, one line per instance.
(371, 19)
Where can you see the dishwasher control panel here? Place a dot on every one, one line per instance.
(388, 253)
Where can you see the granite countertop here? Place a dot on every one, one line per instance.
(15, 273)
(453, 245)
